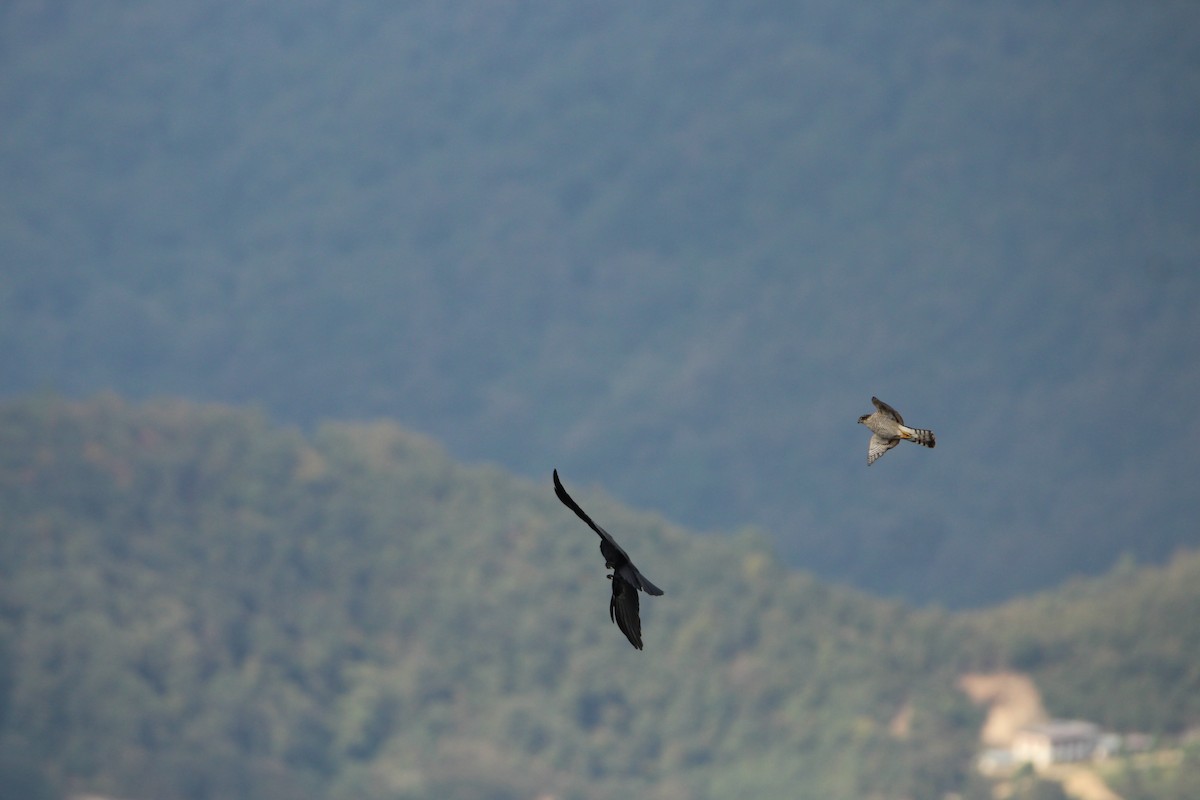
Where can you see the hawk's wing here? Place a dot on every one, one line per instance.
(623, 610)
(878, 446)
(886, 409)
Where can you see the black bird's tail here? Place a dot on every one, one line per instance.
(647, 586)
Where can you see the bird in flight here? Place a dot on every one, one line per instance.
(888, 428)
(626, 579)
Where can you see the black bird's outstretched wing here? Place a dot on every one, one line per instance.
(886, 409)
(614, 555)
(623, 610)
(605, 537)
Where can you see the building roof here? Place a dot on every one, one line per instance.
(1062, 729)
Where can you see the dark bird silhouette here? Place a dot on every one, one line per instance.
(626, 579)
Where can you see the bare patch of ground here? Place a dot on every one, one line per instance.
(1013, 701)
(1012, 698)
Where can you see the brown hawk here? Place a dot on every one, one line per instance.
(888, 428)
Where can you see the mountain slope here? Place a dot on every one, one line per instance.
(1116, 650)
(197, 605)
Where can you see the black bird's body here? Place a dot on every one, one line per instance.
(627, 580)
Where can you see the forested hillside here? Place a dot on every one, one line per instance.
(196, 604)
(1122, 650)
(672, 247)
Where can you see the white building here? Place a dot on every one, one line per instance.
(1054, 742)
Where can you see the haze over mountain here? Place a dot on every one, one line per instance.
(671, 248)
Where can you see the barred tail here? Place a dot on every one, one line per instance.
(925, 437)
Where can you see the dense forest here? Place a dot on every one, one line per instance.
(196, 604)
(672, 247)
